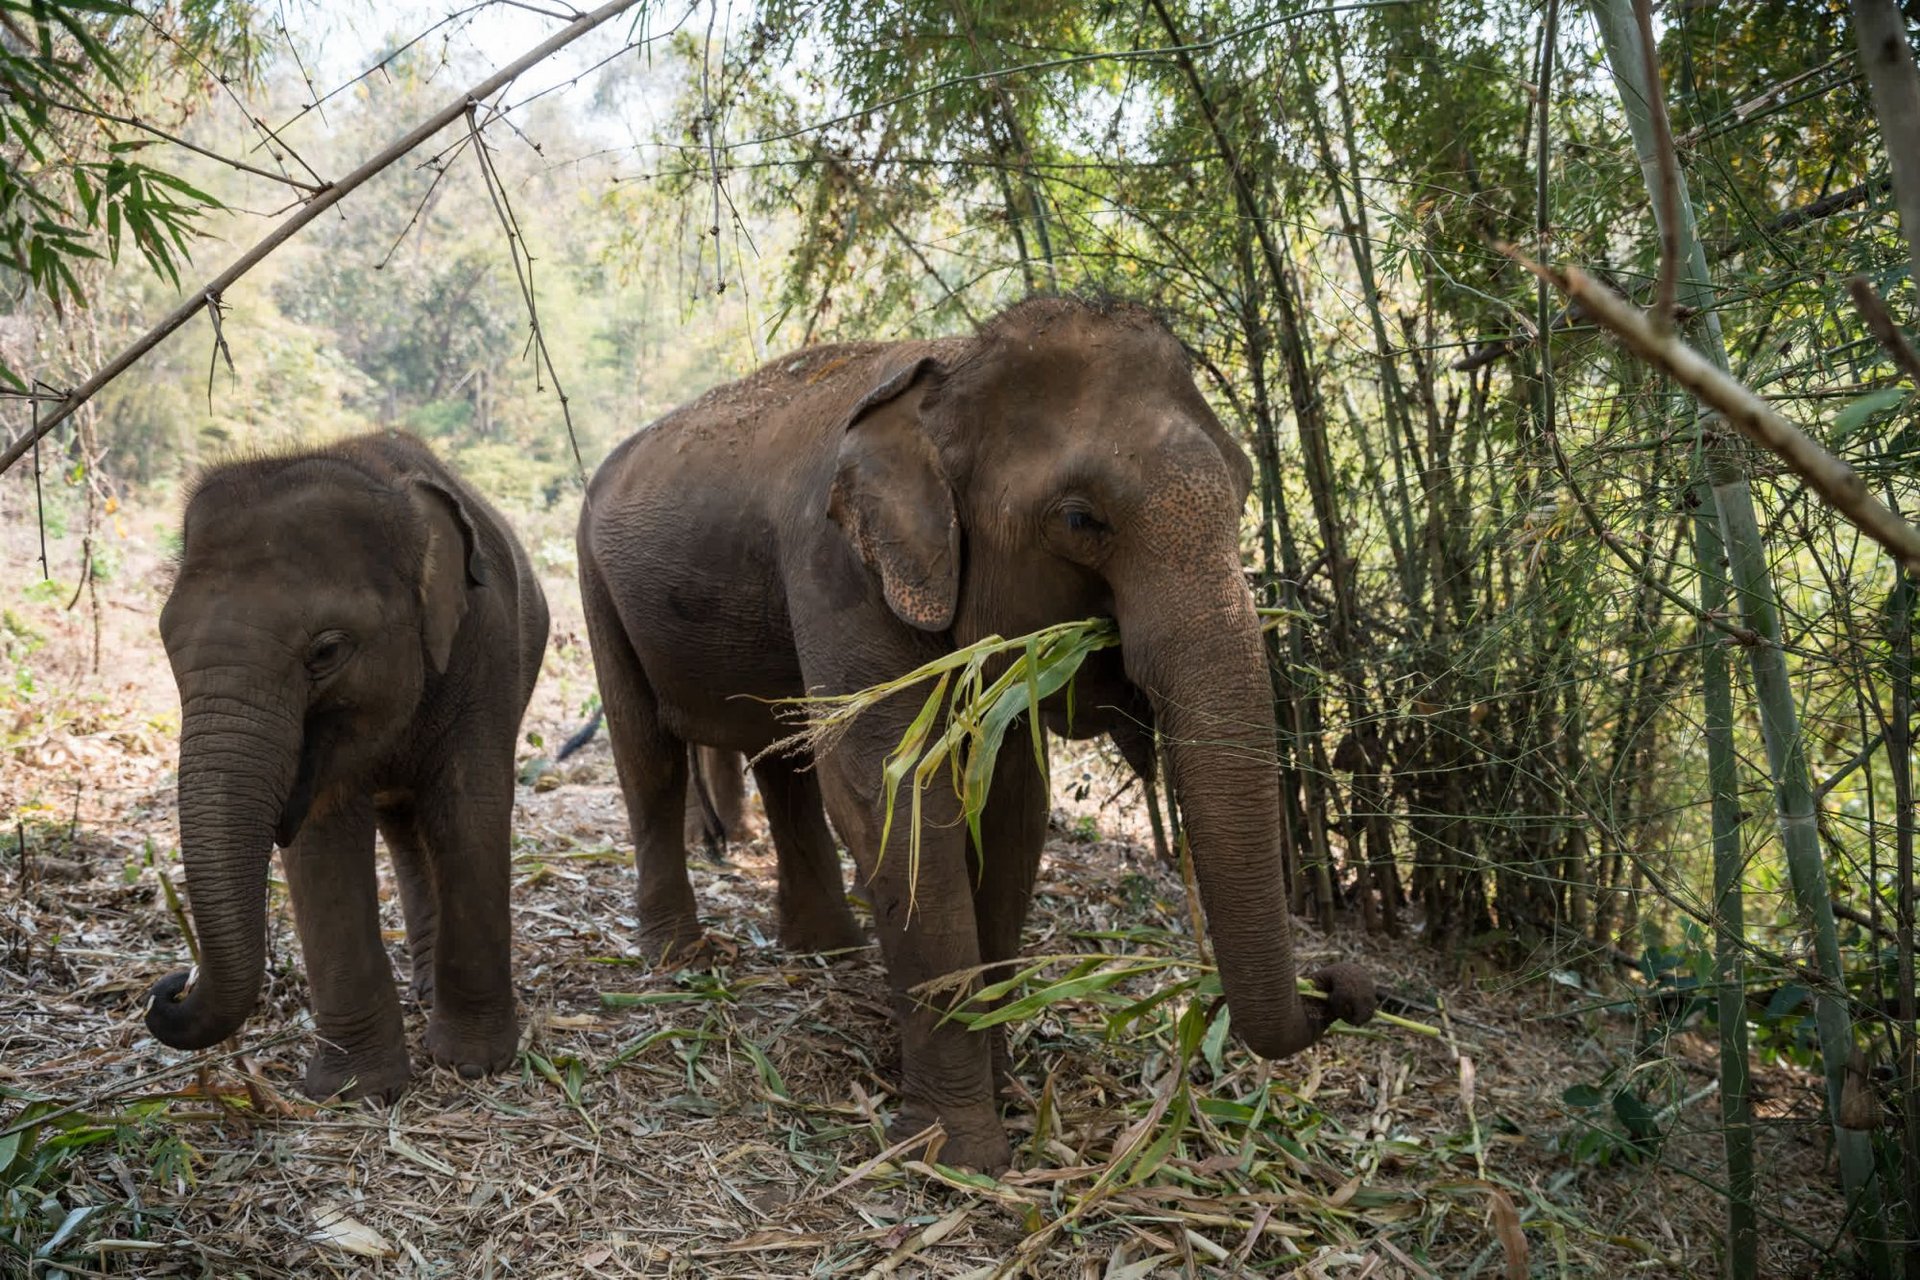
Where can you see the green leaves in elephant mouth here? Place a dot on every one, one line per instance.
(1025, 669)
(979, 711)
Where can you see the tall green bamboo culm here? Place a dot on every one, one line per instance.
(1729, 904)
(1728, 501)
(1886, 56)
(1899, 730)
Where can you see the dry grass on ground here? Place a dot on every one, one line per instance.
(726, 1122)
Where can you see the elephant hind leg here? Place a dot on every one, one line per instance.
(652, 766)
(813, 897)
(413, 869)
(466, 825)
(717, 799)
(729, 769)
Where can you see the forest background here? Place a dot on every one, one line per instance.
(1514, 673)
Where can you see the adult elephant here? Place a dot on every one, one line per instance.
(848, 513)
(355, 634)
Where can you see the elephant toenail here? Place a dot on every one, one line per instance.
(471, 1071)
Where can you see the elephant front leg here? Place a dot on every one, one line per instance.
(336, 910)
(467, 829)
(1012, 830)
(928, 930)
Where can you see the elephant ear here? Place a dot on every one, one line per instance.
(892, 500)
(450, 565)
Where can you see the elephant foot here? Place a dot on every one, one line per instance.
(333, 1073)
(473, 1048)
(822, 932)
(422, 985)
(674, 941)
(975, 1137)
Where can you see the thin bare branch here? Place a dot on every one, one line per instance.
(220, 348)
(1879, 322)
(135, 122)
(523, 272)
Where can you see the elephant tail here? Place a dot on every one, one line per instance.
(581, 738)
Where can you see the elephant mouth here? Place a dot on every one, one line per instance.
(294, 813)
(320, 734)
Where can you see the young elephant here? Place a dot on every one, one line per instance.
(355, 634)
(904, 499)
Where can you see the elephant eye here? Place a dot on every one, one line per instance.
(328, 651)
(1081, 520)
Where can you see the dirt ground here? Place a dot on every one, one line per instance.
(726, 1121)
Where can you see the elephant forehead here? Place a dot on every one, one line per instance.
(265, 596)
(332, 534)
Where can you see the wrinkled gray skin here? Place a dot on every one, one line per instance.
(851, 512)
(355, 634)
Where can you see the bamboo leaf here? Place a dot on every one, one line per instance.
(1857, 413)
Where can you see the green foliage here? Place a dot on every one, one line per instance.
(52, 1207)
(73, 183)
(1612, 1122)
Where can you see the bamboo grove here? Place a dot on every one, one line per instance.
(1556, 642)
(1571, 678)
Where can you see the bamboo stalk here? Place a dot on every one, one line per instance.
(1880, 30)
(1726, 522)
(1886, 55)
(1900, 759)
(1729, 904)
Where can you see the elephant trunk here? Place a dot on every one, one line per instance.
(1203, 667)
(238, 762)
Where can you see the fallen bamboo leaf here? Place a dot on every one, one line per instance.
(1506, 1226)
(931, 1234)
(333, 1227)
(1118, 1268)
(768, 1241)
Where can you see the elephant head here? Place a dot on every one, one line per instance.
(1063, 464)
(313, 603)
